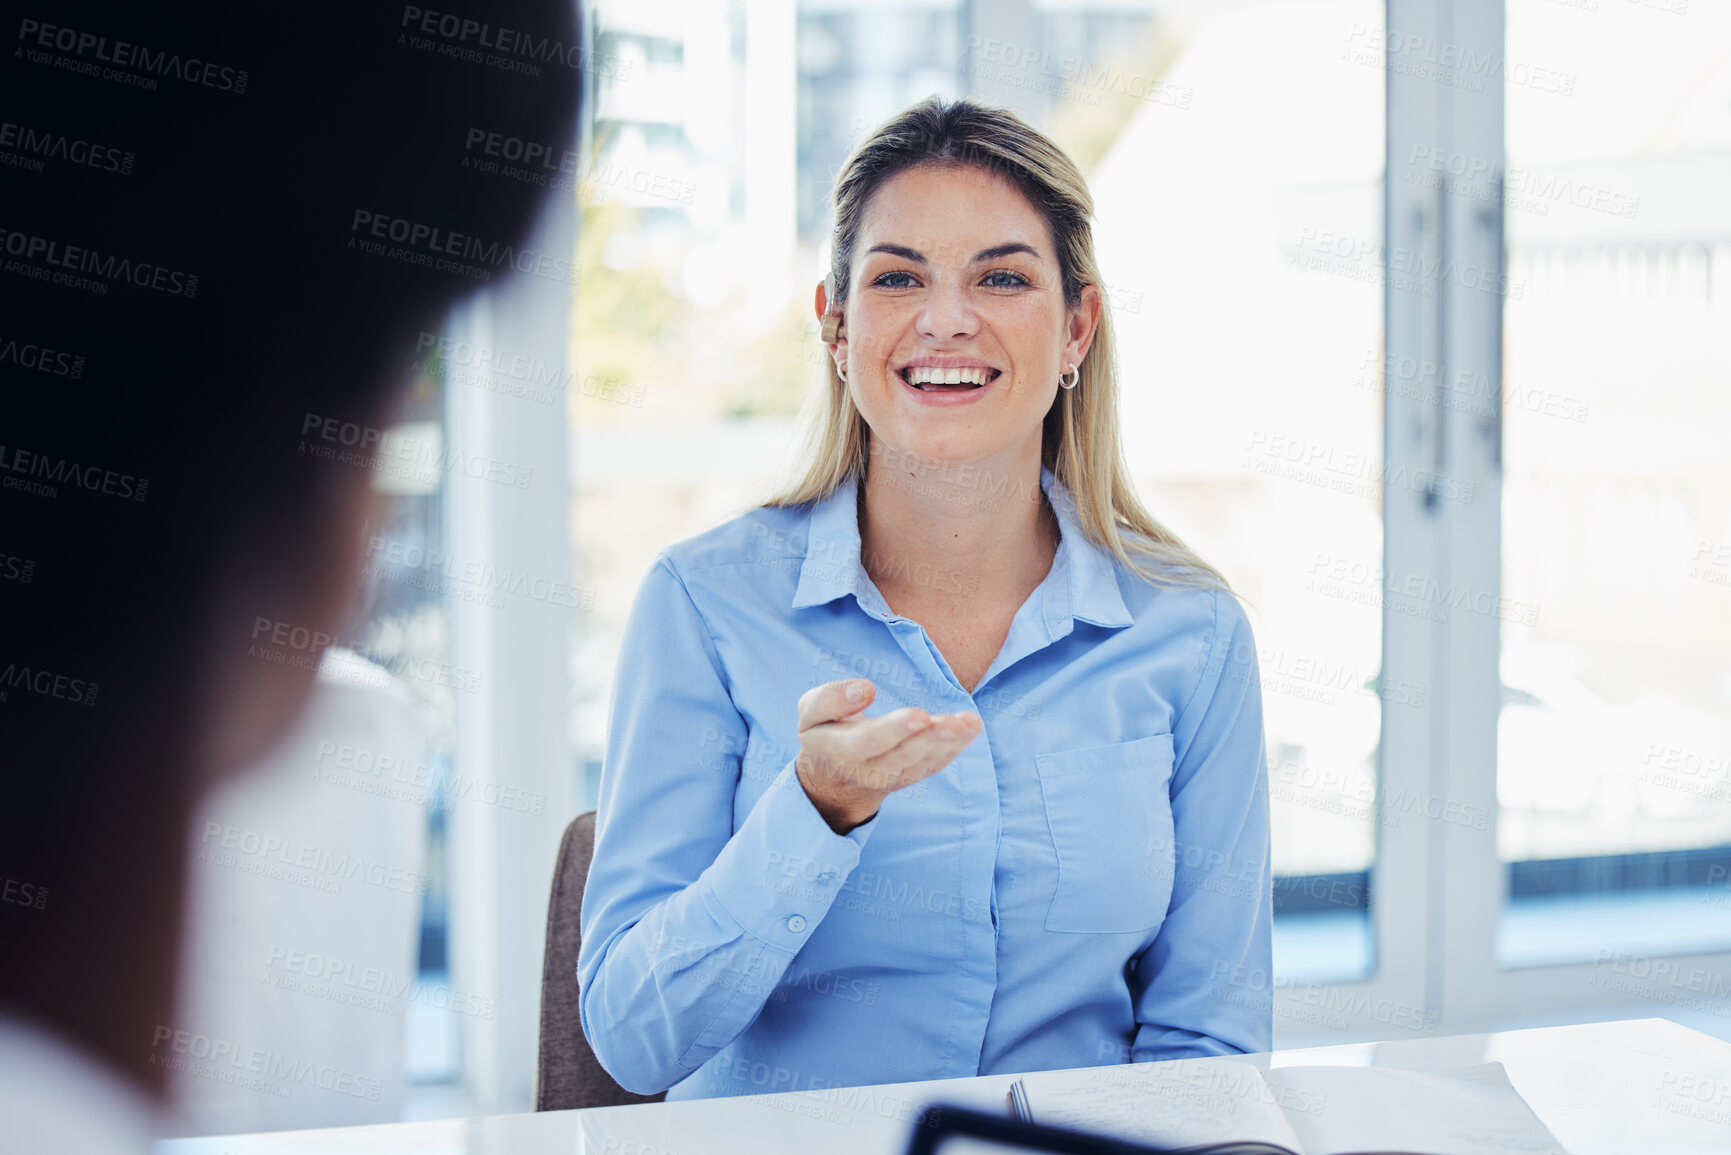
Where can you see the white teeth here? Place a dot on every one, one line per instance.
(925, 375)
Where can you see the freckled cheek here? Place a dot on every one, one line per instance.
(870, 344)
(1016, 320)
(1023, 344)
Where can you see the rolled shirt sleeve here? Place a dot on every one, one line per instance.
(1204, 986)
(687, 924)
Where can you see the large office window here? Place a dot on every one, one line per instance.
(1614, 741)
(1566, 297)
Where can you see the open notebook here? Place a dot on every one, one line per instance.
(1230, 1107)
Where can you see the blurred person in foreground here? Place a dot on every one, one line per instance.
(223, 228)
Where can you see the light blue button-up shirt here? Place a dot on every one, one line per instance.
(1086, 883)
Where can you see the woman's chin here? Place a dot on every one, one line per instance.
(921, 450)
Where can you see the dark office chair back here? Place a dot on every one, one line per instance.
(568, 1074)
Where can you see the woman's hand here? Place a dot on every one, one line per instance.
(849, 765)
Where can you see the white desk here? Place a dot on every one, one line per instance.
(1640, 1087)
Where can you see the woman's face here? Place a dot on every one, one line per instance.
(953, 268)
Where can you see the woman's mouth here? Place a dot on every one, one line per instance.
(930, 380)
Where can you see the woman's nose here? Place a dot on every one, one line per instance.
(947, 312)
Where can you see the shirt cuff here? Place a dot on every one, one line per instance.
(782, 869)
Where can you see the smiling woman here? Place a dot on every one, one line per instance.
(979, 737)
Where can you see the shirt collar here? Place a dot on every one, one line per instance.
(1083, 581)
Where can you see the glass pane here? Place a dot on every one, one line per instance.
(1242, 247)
(404, 626)
(1614, 742)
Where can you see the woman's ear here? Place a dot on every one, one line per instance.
(829, 310)
(1084, 319)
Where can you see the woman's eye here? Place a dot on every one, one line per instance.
(997, 279)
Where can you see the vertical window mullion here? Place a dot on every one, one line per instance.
(1471, 285)
(1413, 851)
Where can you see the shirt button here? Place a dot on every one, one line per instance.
(796, 923)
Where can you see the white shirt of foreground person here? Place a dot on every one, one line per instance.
(1088, 882)
(244, 926)
(305, 881)
(55, 1098)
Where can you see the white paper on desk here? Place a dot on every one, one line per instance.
(1469, 1111)
(1187, 1104)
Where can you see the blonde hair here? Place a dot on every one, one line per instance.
(1080, 441)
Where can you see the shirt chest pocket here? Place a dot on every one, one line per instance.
(1110, 817)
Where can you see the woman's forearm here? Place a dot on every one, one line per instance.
(670, 977)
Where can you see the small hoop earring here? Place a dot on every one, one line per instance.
(1075, 378)
(841, 370)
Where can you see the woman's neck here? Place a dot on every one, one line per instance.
(974, 530)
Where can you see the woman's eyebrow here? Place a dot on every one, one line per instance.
(990, 254)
